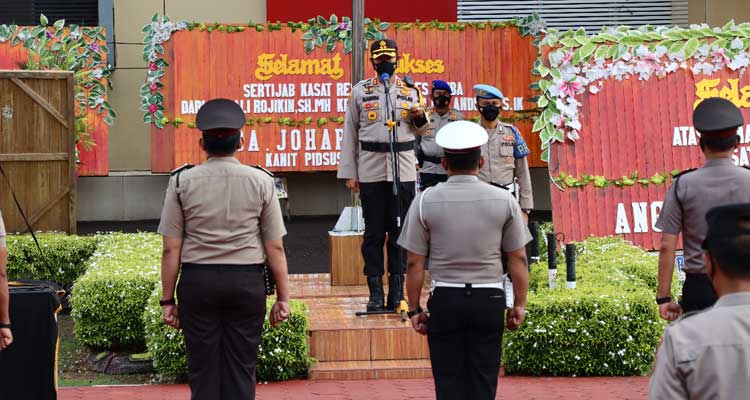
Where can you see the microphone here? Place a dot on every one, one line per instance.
(385, 77)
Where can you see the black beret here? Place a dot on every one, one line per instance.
(723, 222)
(382, 47)
(220, 114)
(716, 114)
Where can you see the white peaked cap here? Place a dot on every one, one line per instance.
(459, 136)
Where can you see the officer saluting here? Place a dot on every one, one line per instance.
(505, 152)
(222, 221)
(691, 195)
(367, 165)
(464, 225)
(707, 355)
(429, 154)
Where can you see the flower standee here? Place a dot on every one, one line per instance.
(70, 48)
(576, 63)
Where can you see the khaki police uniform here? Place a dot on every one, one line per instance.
(431, 171)
(464, 225)
(501, 167)
(706, 355)
(719, 182)
(366, 157)
(2, 232)
(223, 211)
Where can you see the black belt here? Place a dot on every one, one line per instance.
(432, 159)
(380, 147)
(499, 185)
(221, 267)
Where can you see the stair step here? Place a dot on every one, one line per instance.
(357, 370)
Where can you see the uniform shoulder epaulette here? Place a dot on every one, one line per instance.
(685, 172)
(367, 82)
(258, 167)
(181, 168)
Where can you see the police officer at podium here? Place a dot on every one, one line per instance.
(464, 225)
(368, 165)
(221, 223)
(6, 336)
(692, 193)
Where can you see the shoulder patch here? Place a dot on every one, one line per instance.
(258, 167)
(684, 172)
(181, 168)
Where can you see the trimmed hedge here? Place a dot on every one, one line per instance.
(284, 352)
(109, 299)
(608, 326)
(64, 260)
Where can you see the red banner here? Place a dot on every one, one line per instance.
(296, 102)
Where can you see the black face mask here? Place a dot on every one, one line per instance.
(385, 68)
(490, 113)
(441, 101)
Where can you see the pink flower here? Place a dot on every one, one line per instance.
(153, 86)
(651, 57)
(569, 89)
(720, 54)
(153, 108)
(152, 66)
(344, 26)
(568, 57)
(49, 34)
(94, 46)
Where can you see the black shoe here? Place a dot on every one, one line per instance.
(395, 291)
(377, 297)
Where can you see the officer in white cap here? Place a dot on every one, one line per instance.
(464, 225)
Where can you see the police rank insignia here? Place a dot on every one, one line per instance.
(508, 138)
(372, 115)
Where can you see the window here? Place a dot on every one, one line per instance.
(571, 14)
(26, 12)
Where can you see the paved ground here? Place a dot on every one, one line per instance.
(511, 388)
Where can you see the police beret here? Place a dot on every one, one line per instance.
(716, 114)
(461, 137)
(384, 47)
(723, 222)
(488, 92)
(441, 85)
(220, 114)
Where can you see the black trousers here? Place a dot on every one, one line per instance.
(428, 180)
(221, 310)
(379, 211)
(697, 293)
(465, 334)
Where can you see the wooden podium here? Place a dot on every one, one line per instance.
(346, 264)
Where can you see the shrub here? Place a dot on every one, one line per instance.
(109, 299)
(284, 352)
(64, 258)
(608, 326)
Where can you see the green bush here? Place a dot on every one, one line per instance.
(64, 258)
(109, 299)
(608, 326)
(284, 352)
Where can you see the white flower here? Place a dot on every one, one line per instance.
(671, 67)
(703, 68)
(627, 56)
(97, 74)
(660, 51)
(575, 124)
(573, 135)
(641, 51)
(703, 51)
(593, 89)
(737, 44)
(741, 60)
(555, 58)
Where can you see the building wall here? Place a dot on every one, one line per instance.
(718, 12)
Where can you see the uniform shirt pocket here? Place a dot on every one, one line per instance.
(371, 112)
